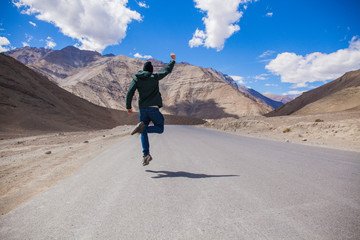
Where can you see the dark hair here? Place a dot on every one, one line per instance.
(148, 67)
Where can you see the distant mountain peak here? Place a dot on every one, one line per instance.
(72, 56)
(27, 55)
(70, 48)
(77, 50)
(281, 98)
(109, 55)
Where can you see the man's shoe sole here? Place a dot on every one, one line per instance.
(139, 128)
(147, 161)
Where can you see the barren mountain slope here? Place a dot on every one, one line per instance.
(189, 90)
(274, 104)
(345, 99)
(200, 92)
(338, 95)
(104, 83)
(58, 65)
(30, 102)
(250, 93)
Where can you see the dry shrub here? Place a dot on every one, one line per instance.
(287, 130)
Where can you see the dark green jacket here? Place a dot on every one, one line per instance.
(147, 84)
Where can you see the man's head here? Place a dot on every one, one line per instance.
(148, 67)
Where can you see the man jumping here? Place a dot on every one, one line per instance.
(150, 101)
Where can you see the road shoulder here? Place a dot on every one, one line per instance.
(31, 165)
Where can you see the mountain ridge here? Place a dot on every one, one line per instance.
(104, 80)
(281, 98)
(29, 102)
(320, 98)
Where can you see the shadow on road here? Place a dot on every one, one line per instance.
(168, 174)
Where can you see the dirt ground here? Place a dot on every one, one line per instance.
(333, 130)
(30, 165)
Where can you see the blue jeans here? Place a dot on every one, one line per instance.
(147, 115)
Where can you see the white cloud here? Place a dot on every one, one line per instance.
(198, 38)
(293, 93)
(28, 37)
(96, 24)
(264, 60)
(138, 55)
(32, 23)
(220, 22)
(269, 14)
(142, 4)
(316, 66)
(261, 76)
(271, 85)
(4, 44)
(50, 43)
(267, 53)
(238, 79)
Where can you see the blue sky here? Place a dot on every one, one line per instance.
(272, 46)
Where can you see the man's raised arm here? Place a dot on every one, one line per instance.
(167, 69)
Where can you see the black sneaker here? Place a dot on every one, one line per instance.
(139, 128)
(147, 159)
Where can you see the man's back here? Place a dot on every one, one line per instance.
(147, 85)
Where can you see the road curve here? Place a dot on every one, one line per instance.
(201, 184)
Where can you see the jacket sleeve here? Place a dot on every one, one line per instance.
(166, 71)
(130, 94)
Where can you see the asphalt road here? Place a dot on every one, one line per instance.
(201, 184)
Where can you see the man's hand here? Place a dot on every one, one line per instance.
(173, 56)
(129, 111)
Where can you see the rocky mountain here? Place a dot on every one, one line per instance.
(58, 65)
(274, 104)
(55, 64)
(281, 98)
(28, 55)
(104, 80)
(339, 95)
(200, 92)
(30, 102)
(250, 93)
(71, 57)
